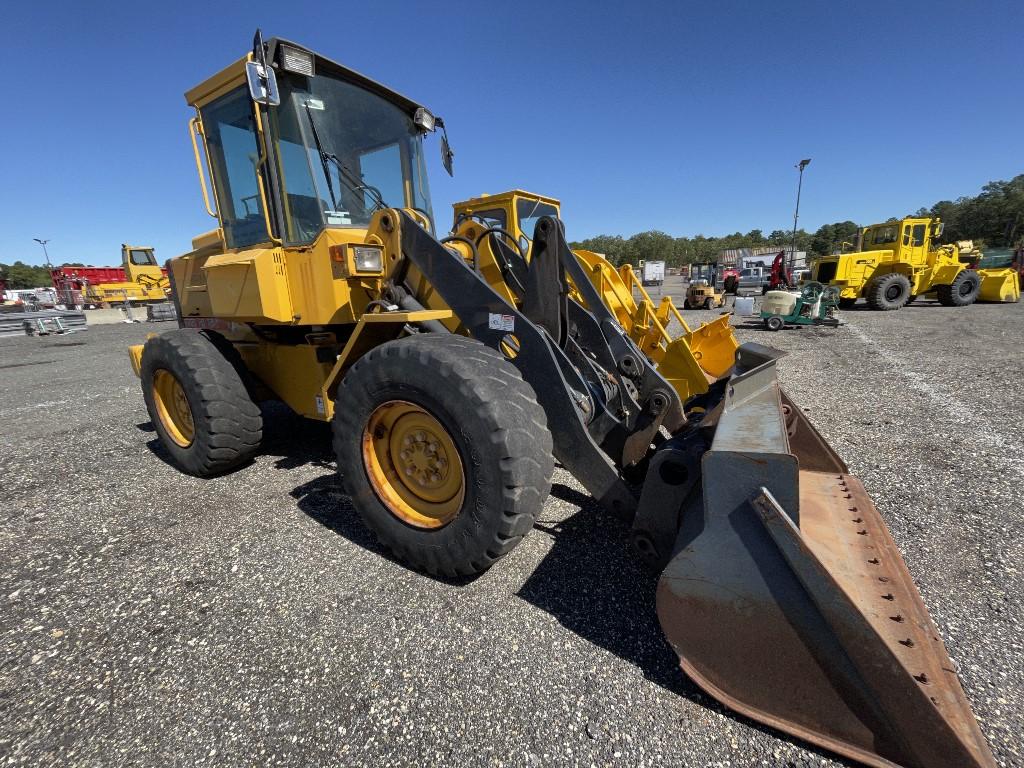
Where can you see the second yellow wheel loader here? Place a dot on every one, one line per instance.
(900, 260)
(453, 383)
(500, 228)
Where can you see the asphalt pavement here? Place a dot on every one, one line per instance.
(150, 618)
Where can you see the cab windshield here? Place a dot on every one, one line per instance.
(528, 212)
(370, 156)
(883, 235)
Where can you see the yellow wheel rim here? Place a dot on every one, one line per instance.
(413, 465)
(172, 408)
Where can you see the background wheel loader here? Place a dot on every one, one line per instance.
(500, 226)
(900, 260)
(452, 387)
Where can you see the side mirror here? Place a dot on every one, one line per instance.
(262, 84)
(446, 155)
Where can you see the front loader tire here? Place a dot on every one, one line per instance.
(962, 292)
(888, 292)
(199, 403)
(444, 451)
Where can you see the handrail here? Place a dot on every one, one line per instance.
(193, 129)
(260, 163)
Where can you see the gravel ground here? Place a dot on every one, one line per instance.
(149, 618)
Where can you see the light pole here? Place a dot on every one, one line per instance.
(796, 214)
(45, 254)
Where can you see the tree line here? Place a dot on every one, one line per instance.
(993, 219)
(20, 275)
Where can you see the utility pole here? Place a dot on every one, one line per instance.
(796, 214)
(45, 254)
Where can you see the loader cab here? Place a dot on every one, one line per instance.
(910, 239)
(309, 147)
(516, 212)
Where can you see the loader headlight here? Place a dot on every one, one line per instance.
(367, 258)
(296, 60)
(424, 120)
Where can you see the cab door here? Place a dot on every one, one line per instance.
(913, 243)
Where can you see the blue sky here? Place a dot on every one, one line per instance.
(683, 117)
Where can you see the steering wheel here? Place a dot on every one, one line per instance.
(812, 290)
(377, 194)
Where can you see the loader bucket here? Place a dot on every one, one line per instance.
(787, 600)
(999, 285)
(713, 346)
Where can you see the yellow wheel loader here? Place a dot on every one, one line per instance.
(901, 260)
(500, 227)
(453, 383)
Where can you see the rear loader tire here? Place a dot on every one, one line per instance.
(888, 292)
(196, 394)
(463, 402)
(962, 292)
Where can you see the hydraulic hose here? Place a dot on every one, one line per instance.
(409, 304)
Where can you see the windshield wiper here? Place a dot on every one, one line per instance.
(344, 173)
(323, 157)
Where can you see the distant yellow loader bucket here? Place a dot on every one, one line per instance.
(999, 285)
(689, 362)
(714, 346)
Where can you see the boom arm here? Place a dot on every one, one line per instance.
(602, 401)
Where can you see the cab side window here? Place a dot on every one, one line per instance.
(492, 218)
(230, 129)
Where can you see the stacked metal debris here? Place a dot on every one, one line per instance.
(42, 322)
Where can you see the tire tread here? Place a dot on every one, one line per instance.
(484, 382)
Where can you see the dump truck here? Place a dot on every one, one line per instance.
(139, 280)
(502, 225)
(453, 383)
(898, 261)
